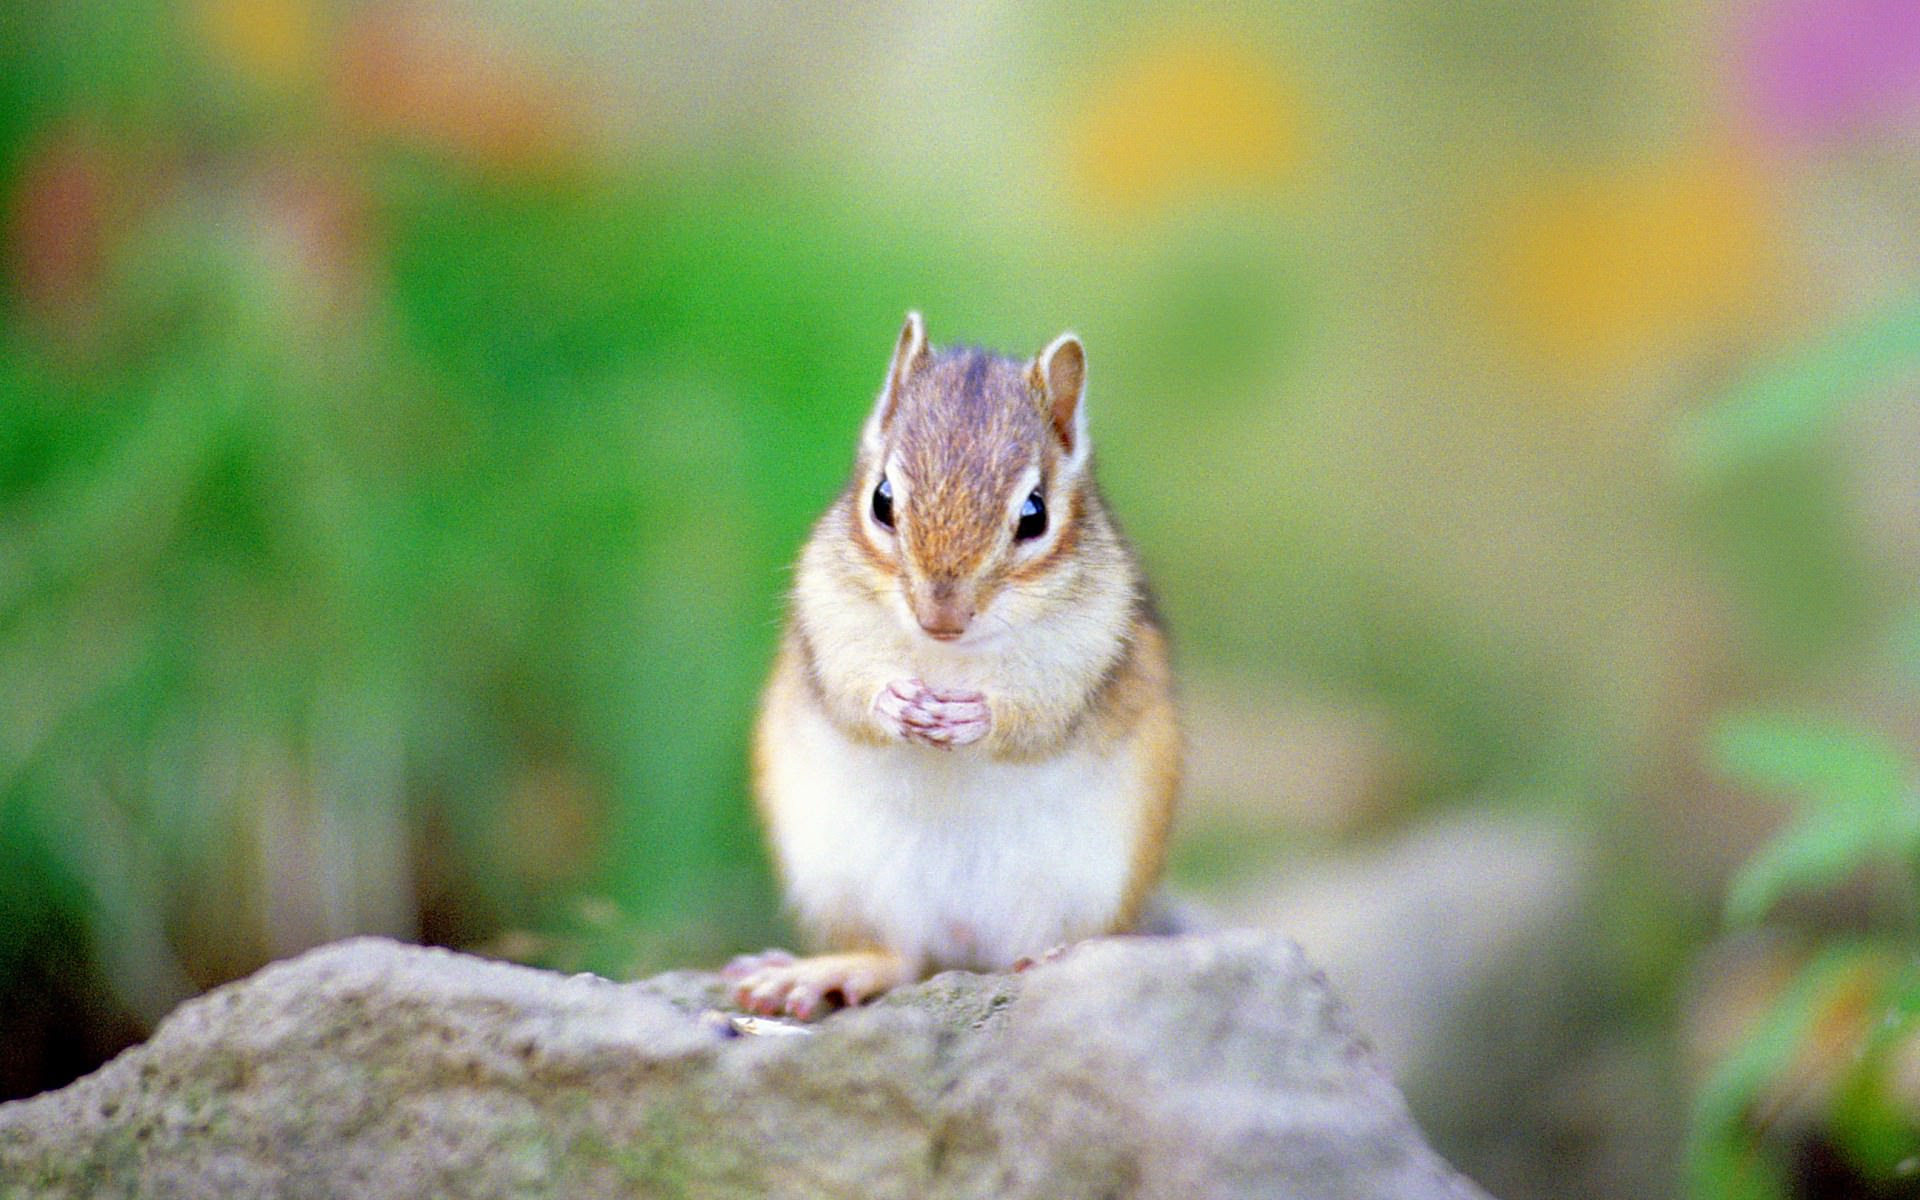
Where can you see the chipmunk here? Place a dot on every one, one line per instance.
(967, 753)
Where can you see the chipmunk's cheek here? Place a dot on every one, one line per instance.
(990, 615)
(1002, 612)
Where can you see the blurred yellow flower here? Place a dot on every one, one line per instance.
(269, 43)
(1183, 119)
(1596, 269)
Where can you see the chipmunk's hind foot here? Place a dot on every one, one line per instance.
(777, 984)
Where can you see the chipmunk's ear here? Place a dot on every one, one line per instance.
(1060, 375)
(909, 355)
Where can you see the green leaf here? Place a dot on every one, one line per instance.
(1794, 399)
(1726, 1170)
(1813, 853)
(1726, 1158)
(1816, 760)
(1856, 803)
(1871, 1120)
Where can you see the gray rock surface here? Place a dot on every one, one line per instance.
(1472, 949)
(1212, 1065)
(1460, 942)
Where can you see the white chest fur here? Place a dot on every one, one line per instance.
(951, 858)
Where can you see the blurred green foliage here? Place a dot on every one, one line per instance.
(1859, 806)
(1852, 1009)
(520, 525)
(1785, 404)
(407, 413)
(1724, 1161)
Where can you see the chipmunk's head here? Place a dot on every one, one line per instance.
(974, 483)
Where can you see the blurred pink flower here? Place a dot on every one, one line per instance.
(65, 211)
(1820, 69)
(425, 75)
(311, 217)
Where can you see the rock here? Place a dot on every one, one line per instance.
(1469, 945)
(1459, 942)
(1201, 1066)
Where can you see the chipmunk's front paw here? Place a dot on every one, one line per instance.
(910, 709)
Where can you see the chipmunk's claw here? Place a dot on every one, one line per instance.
(945, 719)
(1027, 962)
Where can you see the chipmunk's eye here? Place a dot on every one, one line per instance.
(1033, 518)
(883, 504)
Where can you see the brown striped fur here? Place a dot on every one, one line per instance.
(966, 426)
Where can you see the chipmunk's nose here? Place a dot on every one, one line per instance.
(944, 608)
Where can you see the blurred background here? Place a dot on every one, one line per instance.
(408, 411)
